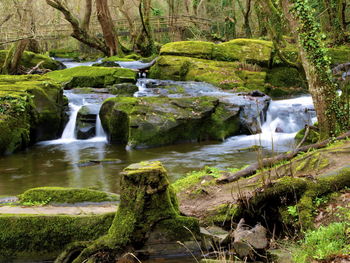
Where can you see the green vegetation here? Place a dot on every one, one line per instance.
(43, 237)
(46, 195)
(323, 243)
(85, 76)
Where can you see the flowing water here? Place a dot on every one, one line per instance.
(61, 162)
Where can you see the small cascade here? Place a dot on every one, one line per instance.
(69, 130)
(99, 129)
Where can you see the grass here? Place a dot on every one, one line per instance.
(323, 243)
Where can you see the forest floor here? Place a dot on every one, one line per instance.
(200, 200)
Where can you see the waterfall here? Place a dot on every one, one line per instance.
(69, 130)
(99, 129)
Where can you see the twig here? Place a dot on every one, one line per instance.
(307, 130)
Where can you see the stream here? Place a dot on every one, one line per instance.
(59, 162)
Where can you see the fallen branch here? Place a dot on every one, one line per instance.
(307, 130)
(15, 40)
(35, 68)
(268, 162)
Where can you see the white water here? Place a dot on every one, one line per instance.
(69, 130)
(100, 133)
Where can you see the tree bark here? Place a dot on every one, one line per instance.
(79, 32)
(145, 42)
(105, 19)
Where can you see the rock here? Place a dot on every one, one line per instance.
(30, 60)
(127, 89)
(279, 130)
(214, 236)
(96, 77)
(195, 49)
(107, 64)
(222, 74)
(86, 121)
(146, 122)
(31, 109)
(90, 162)
(249, 241)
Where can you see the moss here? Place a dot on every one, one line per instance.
(312, 162)
(30, 60)
(285, 77)
(223, 214)
(313, 136)
(65, 195)
(245, 50)
(31, 109)
(85, 76)
(339, 55)
(42, 237)
(115, 58)
(64, 53)
(253, 80)
(195, 49)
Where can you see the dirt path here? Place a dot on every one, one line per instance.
(58, 210)
(200, 200)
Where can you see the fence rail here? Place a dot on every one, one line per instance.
(63, 30)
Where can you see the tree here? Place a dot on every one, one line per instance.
(110, 45)
(316, 64)
(144, 41)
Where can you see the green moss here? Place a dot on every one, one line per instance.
(30, 60)
(34, 237)
(252, 51)
(222, 214)
(285, 77)
(115, 58)
(195, 49)
(313, 136)
(64, 53)
(339, 55)
(65, 195)
(31, 109)
(85, 76)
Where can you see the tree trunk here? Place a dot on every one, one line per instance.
(79, 32)
(105, 19)
(145, 42)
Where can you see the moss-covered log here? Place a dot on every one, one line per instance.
(147, 204)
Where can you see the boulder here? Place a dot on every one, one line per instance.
(227, 75)
(96, 77)
(146, 122)
(31, 109)
(194, 49)
(123, 89)
(86, 121)
(30, 60)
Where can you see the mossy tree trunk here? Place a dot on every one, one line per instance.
(316, 65)
(146, 200)
(145, 41)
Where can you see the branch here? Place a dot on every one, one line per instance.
(268, 162)
(7, 18)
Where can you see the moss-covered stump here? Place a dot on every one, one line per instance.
(227, 75)
(147, 122)
(148, 214)
(97, 77)
(31, 109)
(30, 60)
(48, 195)
(40, 237)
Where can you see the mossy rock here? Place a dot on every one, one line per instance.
(195, 49)
(339, 55)
(226, 75)
(30, 60)
(40, 237)
(145, 122)
(285, 77)
(64, 53)
(49, 195)
(251, 51)
(115, 59)
(97, 77)
(126, 89)
(31, 109)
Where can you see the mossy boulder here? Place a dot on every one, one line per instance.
(64, 53)
(194, 49)
(97, 77)
(48, 195)
(340, 54)
(145, 122)
(123, 89)
(41, 237)
(227, 75)
(115, 58)
(244, 50)
(31, 109)
(86, 121)
(251, 51)
(30, 60)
